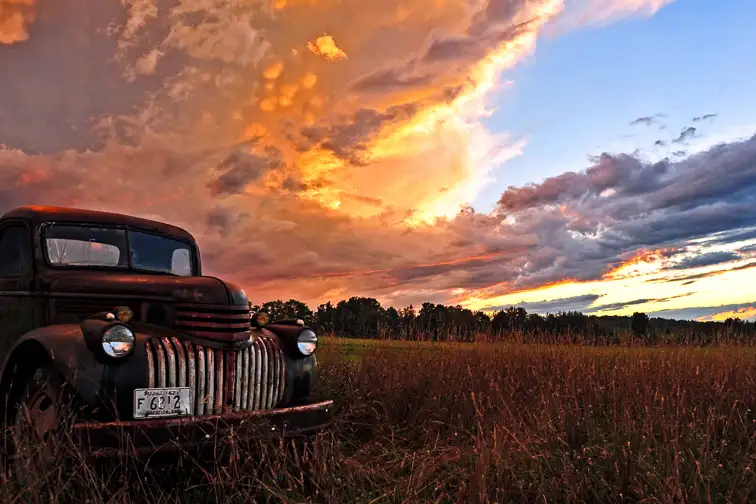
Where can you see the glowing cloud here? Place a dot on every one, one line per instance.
(304, 174)
(746, 313)
(15, 16)
(325, 46)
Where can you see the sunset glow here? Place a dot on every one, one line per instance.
(402, 151)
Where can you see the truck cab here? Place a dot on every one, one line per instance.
(116, 311)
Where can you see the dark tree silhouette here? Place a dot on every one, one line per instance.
(363, 317)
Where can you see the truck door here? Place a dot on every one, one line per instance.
(17, 303)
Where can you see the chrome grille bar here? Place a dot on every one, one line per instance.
(181, 361)
(243, 380)
(210, 386)
(199, 391)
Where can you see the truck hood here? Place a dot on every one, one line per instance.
(196, 290)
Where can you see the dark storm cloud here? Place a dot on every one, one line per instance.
(624, 204)
(735, 236)
(708, 259)
(622, 172)
(749, 248)
(243, 168)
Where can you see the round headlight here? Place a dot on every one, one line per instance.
(307, 341)
(260, 319)
(117, 341)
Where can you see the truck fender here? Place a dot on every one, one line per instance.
(63, 345)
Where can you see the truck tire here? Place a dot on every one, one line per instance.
(34, 421)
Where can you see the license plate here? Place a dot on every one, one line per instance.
(162, 402)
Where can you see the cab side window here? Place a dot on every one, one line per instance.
(15, 251)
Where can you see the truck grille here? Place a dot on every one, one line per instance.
(216, 322)
(222, 380)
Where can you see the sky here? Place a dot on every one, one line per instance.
(590, 155)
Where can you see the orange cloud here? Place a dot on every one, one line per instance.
(643, 262)
(15, 16)
(744, 313)
(325, 46)
(301, 176)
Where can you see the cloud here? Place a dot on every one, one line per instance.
(707, 259)
(697, 276)
(685, 135)
(15, 16)
(634, 302)
(647, 120)
(214, 110)
(577, 303)
(326, 47)
(709, 117)
(600, 12)
(318, 179)
(743, 313)
(242, 168)
(703, 313)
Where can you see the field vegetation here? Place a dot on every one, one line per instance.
(460, 422)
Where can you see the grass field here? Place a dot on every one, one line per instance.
(422, 422)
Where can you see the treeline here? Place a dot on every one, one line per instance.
(361, 317)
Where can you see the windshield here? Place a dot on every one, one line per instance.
(89, 246)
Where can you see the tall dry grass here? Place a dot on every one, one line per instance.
(463, 423)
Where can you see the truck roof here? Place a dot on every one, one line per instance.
(37, 215)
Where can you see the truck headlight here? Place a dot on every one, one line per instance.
(307, 341)
(117, 341)
(260, 319)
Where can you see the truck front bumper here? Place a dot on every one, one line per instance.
(209, 431)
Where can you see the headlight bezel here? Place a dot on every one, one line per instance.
(307, 342)
(108, 351)
(259, 319)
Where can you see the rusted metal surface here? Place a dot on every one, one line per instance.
(256, 386)
(190, 331)
(171, 358)
(161, 364)
(282, 373)
(220, 374)
(210, 386)
(150, 367)
(235, 380)
(215, 322)
(200, 391)
(180, 362)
